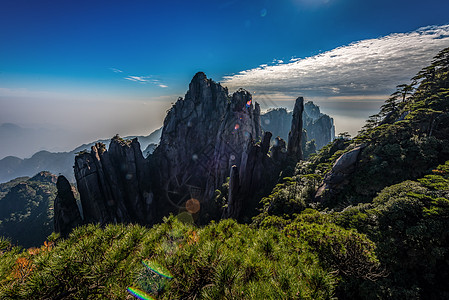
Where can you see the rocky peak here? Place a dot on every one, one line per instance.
(204, 134)
(207, 136)
(312, 111)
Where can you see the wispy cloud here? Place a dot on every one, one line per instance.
(115, 70)
(141, 79)
(145, 80)
(367, 67)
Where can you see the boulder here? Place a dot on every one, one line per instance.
(343, 167)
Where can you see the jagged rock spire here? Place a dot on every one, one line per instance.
(207, 135)
(294, 149)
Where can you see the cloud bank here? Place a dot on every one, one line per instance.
(349, 83)
(367, 67)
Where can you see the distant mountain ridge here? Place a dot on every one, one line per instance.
(25, 141)
(318, 126)
(59, 162)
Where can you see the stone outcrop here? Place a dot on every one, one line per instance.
(207, 136)
(343, 167)
(234, 204)
(67, 215)
(294, 148)
(114, 184)
(257, 175)
(203, 136)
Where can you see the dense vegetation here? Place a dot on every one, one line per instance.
(381, 234)
(26, 209)
(221, 260)
(398, 194)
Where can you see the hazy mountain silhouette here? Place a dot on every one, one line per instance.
(55, 162)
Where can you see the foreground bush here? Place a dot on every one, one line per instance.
(220, 261)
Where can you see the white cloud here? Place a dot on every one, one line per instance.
(367, 67)
(146, 79)
(115, 70)
(141, 79)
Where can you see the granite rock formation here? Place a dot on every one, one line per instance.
(278, 121)
(207, 136)
(62, 162)
(67, 215)
(319, 127)
(114, 184)
(343, 167)
(204, 135)
(256, 176)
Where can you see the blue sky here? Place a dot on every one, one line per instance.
(96, 68)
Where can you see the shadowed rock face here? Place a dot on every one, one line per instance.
(207, 136)
(343, 167)
(67, 215)
(258, 174)
(204, 135)
(114, 184)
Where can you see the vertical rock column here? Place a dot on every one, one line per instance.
(294, 137)
(234, 205)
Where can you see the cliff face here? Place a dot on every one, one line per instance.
(277, 121)
(206, 136)
(258, 172)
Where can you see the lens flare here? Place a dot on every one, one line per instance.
(157, 268)
(139, 294)
(248, 104)
(193, 206)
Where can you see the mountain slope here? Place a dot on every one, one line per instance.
(26, 209)
(389, 182)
